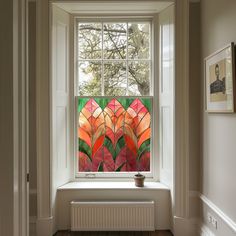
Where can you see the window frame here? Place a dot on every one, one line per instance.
(153, 174)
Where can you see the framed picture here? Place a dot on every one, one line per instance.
(220, 81)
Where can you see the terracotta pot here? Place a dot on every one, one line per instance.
(139, 180)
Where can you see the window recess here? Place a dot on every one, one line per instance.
(114, 98)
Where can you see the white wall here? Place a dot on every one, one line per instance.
(219, 130)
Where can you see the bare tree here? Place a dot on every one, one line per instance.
(119, 43)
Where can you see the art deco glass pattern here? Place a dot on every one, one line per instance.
(114, 134)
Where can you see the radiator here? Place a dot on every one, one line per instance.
(112, 216)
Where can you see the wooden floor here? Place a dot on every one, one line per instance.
(157, 233)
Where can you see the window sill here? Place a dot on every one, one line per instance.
(112, 186)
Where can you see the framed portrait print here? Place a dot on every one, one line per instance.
(220, 81)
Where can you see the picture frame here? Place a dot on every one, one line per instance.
(220, 81)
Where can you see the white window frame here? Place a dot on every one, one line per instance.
(153, 174)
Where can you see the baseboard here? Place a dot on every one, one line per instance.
(226, 219)
(44, 226)
(205, 231)
(186, 227)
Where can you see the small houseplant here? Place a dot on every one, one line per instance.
(139, 180)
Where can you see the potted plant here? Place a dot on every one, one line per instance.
(139, 180)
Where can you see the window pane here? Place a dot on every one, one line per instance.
(114, 40)
(114, 134)
(139, 78)
(89, 80)
(138, 40)
(90, 40)
(115, 82)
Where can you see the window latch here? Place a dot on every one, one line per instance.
(90, 176)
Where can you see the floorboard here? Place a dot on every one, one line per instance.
(156, 233)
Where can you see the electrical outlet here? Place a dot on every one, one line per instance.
(209, 218)
(214, 222)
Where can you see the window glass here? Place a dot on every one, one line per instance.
(139, 78)
(90, 82)
(138, 40)
(114, 134)
(90, 40)
(113, 59)
(114, 97)
(115, 82)
(115, 40)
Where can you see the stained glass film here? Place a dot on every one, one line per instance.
(114, 134)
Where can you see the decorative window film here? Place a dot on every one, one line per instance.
(114, 134)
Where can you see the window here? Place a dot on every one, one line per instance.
(114, 97)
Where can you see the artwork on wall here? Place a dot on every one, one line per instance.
(114, 134)
(220, 81)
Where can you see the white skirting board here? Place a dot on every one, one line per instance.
(219, 212)
(205, 231)
(112, 216)
(186, 226)
(44, 226)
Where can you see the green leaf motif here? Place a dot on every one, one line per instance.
(81, 103)
(100, 167)
(114, 151)
(84, 147)
(145, 147)
(120, 167)
(125, 102)
(147, 103)
(120, 144)
(102, 102)
(108, 144)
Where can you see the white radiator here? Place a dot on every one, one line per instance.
(112, 216)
